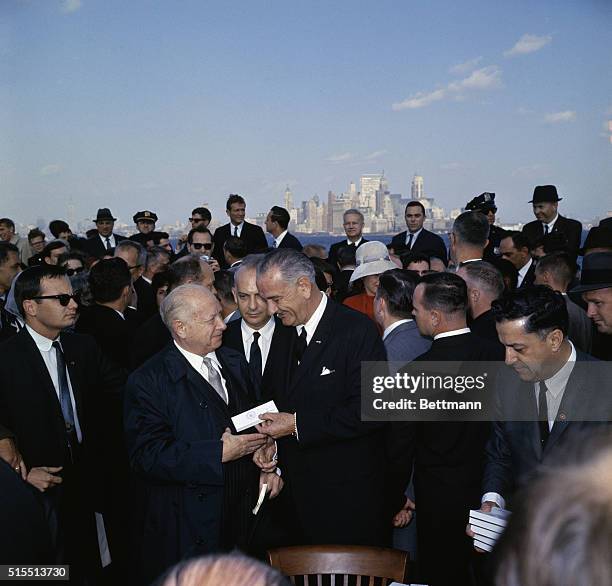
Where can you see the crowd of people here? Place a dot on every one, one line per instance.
(124, 359)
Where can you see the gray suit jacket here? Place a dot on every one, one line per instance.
(405, 343)
(580, 329)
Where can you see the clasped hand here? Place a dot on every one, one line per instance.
(277, 425)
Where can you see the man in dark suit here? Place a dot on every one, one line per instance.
(468, 238)
(553, 390)
(153, 335)
(259, 336)
(9, 269)
(331, 460)
(157, 260)
(484, 284)
(199, 478)
(346, 261)
(485, 204)
(277, 224)
(515, 248)
(145, 224)
(545, 208)
(417, 238)
(448, 456)
(253, 235)
(51, 383)
(353, 228)
(104, 242)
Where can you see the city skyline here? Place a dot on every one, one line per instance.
(139, 105)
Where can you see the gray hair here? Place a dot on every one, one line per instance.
(291, 264)
(133, 245)
(355, 212)
(178, 305)
(154, 255)
(487, 277)
(249, 262)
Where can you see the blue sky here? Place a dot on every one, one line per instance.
(166, 104)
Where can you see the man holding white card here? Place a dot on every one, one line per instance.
(200, 483)
(333, 463)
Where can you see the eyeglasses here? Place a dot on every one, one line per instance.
(76, 271)
(194, 220)
(205, 245)
(63, 298)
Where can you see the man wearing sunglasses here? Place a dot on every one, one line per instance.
(53, 381)
(200, 243)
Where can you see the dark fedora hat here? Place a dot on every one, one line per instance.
(146, 216)
(544, 193)
(598, 237)
(596, 272)
(104, 214)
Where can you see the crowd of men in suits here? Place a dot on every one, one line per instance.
(123, 361)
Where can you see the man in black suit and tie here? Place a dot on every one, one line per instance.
(104, 242)
(550, 391)
(252, 235)
(332, 462)
(417, 238)
(51, 380)
(277, 224)
(353, 228)
(515, 248)
(545, 208)
(198, 475)
(259, 336)
(448, 456)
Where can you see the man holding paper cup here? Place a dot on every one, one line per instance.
(200, 483)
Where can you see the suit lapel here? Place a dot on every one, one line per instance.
(527, 404)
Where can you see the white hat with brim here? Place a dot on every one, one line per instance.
(372, 259)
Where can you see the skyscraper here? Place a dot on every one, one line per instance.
(416, 190)
(369, 185)
(288, 199)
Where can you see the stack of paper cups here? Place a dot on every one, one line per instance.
(487, 527)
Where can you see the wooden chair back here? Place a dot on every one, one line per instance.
(340, 562)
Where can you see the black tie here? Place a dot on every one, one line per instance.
(64, 394)
(543, 414)
(108, 244)
(255, 362)
(545, 229)
(236, 231)
(409, 243)
(301, 344)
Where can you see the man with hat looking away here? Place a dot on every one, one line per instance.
(104, 241)
(545, 203)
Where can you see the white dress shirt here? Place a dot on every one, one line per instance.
(415, 235)
(233, 228)
(356, 243)
(197, 362)
(111, 239)
(523, 271)
(265, 340)
(550, 224)
(279, 238)
(49, 356)
(393, 326)
(452, 333)
(315, 318)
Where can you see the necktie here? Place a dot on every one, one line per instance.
(543, 414)
(108, 244)
(409, 243)
(274, 245)
(301, 344)
(64, 393)
(545, 229)
(255, 361)
(214, 379)
(236, 231)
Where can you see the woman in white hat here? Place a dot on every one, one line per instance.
(372, 260)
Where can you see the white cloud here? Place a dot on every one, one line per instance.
(375, 155)
(52, 169)
(565, 116)
(485, 78)
(465, 67)
(69, 6)
(528, 44)
(340, 158)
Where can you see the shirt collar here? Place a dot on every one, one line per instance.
(111, 237)
(196, 360)
(280, 237)
(44, 344)
(551, 224)
(228, 317)
(266, 331)
(452, 333)
(315, 318)
(394, 326)
(526, 267)
(558, 381)
(356, 243)
(414, 234)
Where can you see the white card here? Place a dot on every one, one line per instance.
(250, 418)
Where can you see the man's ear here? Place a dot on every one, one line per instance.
(555, 338)
(30, 307)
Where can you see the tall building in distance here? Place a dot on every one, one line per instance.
(416, 189)
(369, 185)
(288, 199)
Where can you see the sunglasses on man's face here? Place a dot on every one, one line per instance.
(63, 298)
(71, 272)
(194, 220)
(205, 245)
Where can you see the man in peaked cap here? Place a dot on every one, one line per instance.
(145, 224)
(485, 204)
(105, 240)
(545, 208)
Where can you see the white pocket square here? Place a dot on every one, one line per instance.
(326, 371)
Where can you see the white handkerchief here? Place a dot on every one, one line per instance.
(260, 500)
(326, 371)
(250, 418)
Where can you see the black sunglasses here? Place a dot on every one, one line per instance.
(76, 271)
(198, 245)
(196, 219)
(63, 298)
